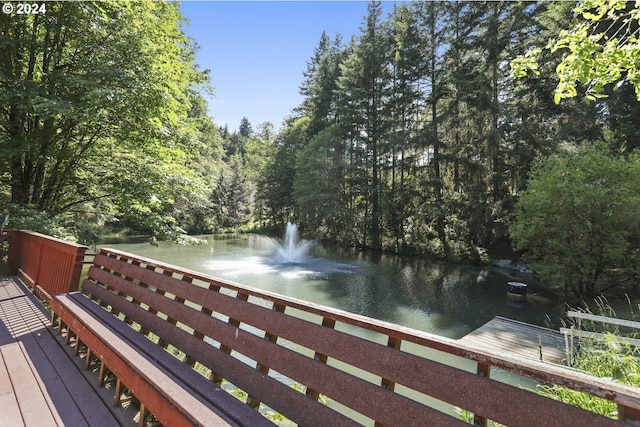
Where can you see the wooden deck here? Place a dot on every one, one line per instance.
(41, 383)
(511, 336)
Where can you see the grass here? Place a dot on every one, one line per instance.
(608, 358)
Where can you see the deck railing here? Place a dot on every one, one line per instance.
(422, 367)
(51, 266)
(47, 264)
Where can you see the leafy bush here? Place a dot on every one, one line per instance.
(33, 219)
(579, 220)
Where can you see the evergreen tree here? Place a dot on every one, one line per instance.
(436, 137)
(365, 88)
(431, 17)
(245, 129)
(464, 197)
(319, 187)
(500, 25)
(276, 187)
(319, 88)
(406, 114)
(231, 196)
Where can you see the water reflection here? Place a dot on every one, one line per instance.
(449, 300)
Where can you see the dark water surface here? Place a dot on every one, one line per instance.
(444, 299)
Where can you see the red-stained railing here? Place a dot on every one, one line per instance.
(373, 372)
(272, 340)
(47, 264)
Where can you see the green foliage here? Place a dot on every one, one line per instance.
(609, 358)
(581, 400)
(88, 234)
(30, 218)
(579, 219)
(245, 128)
(365, 85)
(412, 137)
(319, 186)
(275, 186)
(98, 119)
(468, 417)
(417, 138)
(320, 85)
(230, 198)
(601, 49)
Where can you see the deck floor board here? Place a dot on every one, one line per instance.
(32, 402)
(10, 411)
(514, 337)
(41, 382)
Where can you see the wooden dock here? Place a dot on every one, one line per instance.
(526, 340)
(41, 383)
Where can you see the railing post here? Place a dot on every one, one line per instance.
(74, 281)
(483, 370)
(39, 267)
(393, 343)
(11, 244)
(629, 415)
(322, 358)
(252, 401)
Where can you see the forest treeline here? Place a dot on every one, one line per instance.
(413, 136)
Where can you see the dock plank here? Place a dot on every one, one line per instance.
(523, 339)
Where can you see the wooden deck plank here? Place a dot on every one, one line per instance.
(94, 409)
(83, 402)
(27, 324)
(9, 409)
(20, 322)
(75, 400)
(523, 339)
(48, 386)
(61, 401)
(33, 405)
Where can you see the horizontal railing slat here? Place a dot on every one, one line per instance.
(598, 336)
(603, 319)
(275, 394)
(298, 367)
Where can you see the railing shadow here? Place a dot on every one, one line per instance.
(61, 384)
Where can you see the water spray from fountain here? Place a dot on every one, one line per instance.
(292, 250)
(288, 257)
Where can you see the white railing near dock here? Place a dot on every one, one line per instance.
(575, 331)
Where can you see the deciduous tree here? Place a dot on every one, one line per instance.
(94, 103)
(578, 218)
(601, 49)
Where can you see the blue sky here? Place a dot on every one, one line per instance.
(258, 50)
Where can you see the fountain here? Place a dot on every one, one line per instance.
(292, 250)
(288, 258)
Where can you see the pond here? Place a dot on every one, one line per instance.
(431, 296)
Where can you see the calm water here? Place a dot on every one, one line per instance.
(444, 299)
